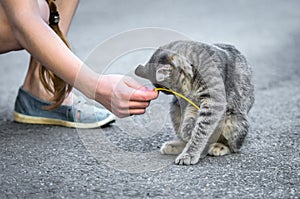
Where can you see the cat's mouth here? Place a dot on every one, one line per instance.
(163, 87)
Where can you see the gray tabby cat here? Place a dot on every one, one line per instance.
(215, 77)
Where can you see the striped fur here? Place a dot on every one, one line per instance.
(215, 77)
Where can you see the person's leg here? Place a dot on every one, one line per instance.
(32, 82)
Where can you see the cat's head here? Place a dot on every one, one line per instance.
(167, 69)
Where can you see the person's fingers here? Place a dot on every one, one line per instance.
(128, 105)
(128, 112)
(137, 111)
(124, 96)
(133, 91)
(140, 92)
(142, 95)
(126, 108)
(130, 94)
(132, 83)
(138, 105)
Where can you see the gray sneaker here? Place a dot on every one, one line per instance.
(30, 110)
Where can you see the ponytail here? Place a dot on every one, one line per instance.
(52, 83)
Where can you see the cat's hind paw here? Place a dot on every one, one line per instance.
(218, 149)
(172, 147)
(187, 159)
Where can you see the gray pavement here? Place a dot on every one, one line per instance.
(55, 162)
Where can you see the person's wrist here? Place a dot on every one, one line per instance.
(103, 86)
(86, 82)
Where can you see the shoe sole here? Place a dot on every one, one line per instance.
(21, 118)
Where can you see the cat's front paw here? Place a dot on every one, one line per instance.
(172, 147)
(187, 159)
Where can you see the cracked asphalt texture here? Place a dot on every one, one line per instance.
(54, 162)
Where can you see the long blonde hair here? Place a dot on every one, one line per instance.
(55, 85)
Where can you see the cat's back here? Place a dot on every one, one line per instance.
(199, 53)
(237, 75)
(231, 63)
(221, 51)
(185, 47)
(229, 60)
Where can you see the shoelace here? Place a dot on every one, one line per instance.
(179, 95)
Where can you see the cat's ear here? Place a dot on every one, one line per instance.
(163, 72)
(142, 71)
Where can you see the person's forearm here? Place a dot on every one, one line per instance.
(45, 46)
(57, 57)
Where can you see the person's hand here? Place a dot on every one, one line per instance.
(123, 96)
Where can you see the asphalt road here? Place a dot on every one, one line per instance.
(122, 160)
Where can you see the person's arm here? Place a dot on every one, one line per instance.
(43, 44)
(39, 39)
